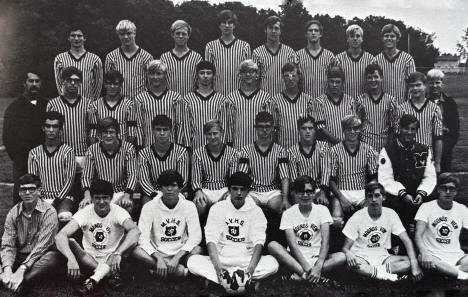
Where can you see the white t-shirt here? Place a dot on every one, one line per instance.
(101, 236)
(306, 229)
(443, 226)
(372, 236)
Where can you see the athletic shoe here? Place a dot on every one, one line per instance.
(88, 286)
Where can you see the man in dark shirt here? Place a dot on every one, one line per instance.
(22, 126)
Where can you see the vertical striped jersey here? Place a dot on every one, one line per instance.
(378, 118)
(429, 117)
(91, 66)
(355, 80)
(210, 172)
(395, 72)
(124, 111)
(181, 71)
(168, 103)
(119, 168)
(241, 112)
(198, 110)
(55, 169)
(226, 58)
(132, 68)
(75, 127)
(333, 112)
(313, 164)
(151, 165)
(351, 170)
(270, 65)
(266, 169)
(314, 69)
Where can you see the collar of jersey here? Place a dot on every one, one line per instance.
(312, 56)
(213, 158)
(131, 57)
(265, 153)
(71, 104)
(166, 154)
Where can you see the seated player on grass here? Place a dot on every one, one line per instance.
(235, 235)
(438, 226)
(170, 229)
(28, 237)
(307, 228)
(108, 234)
(368, 236)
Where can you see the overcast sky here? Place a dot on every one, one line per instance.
(446, 18)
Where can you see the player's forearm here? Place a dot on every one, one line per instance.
(130, 241)
(438, 151)
(332, 139)
(409, 248)
(257, 253)
(213, 253)
(63, 246)
(285, 188)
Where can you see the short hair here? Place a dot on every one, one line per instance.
(248, 64)
(126, 25)
(101, 187)
(161, 120)
(29, 179)
(447, 177)
(55, 116)
(416, 76)
(350, 121)
(408, 119)
(35, 72)
(168, 177)
(227, 14)
(108, 122)
(435, 74)
(335, 71)
(299, 183)
(181, 24)
(372, 186)
(113, 76)
(391, 28)
(206, 65)
(212, 124)
(69, 71)
(304, 119)
(76, 28)
(239, 179)
(263, 117)
(311, 22)
(271, 20)
(373, 67)
(156, 65)
(353, 29)
(289, 66)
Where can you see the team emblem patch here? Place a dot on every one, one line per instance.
(444, 230)
(100, 236)
(171, 230)
(305, 234)
(233, 230)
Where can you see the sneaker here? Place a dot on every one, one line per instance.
(115, 282)
(88, 286)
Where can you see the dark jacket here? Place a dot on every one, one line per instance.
(450, 120)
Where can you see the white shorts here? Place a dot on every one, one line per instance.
(80, 160)
(101, 258)
(449, 258)
(264, 197)
(374, 258)
(354, 196)
(214, 195)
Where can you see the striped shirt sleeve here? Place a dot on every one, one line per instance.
(197, 171)
(183, 166)
(70, 169)
(58, 67)
(8, 249)
(132, 170)
(88, 170)
(145, 175)
(97, 74)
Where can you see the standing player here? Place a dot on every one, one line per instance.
(54, 163)
(158, 99)
(368, 236)
(226, 53)
(114, 105)
(181, 61)
(396, 64)
(109, 234)
(212, 165)
(161, 155)
(450, 117)
(202, 105)
(354, 61)
(170, 229)
(243, 104)
(378, 109)
(129, 59)
(314, 60)
(430, 130)
(89, 64)
(235, 235)
(438, 226)
(307, 228)
(271, 56)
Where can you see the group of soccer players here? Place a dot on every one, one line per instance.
(244, 144)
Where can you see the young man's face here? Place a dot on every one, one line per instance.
(307, 132)
(390, 40)
(51, 129)
(291, 79)
(264, 130)
(101, 204)
(352, 133)
(447, 192)
(180, 36)
(313, 33)
(214, 136)
(408, 133)
(374, 81)
(335, 86)
(126, 37)
(109, 135)
(435, 86)
(72, 84)
(157, 78)
(113, 88)
(171, 193)
(238, 193)
(76, 39)
(306, 196)
(227, 27)
(32, 85)
(355, 40)
(375, 199)
(273, 31)
(205, 77)
(162, 134)
(249, 76)
(416, 89)
(29, 193)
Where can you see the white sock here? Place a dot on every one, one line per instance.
(100, 272)
(381, 273)
(462, 274)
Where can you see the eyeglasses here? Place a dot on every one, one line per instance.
(27, 189)
(449, 189)
(306, 192)
(354, 128)
(264, 127)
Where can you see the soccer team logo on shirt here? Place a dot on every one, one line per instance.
(444, 229)
(234, 230)
(100, 235)
(170, 229)
(373, 235)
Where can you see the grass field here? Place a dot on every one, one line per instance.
(456, 86)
